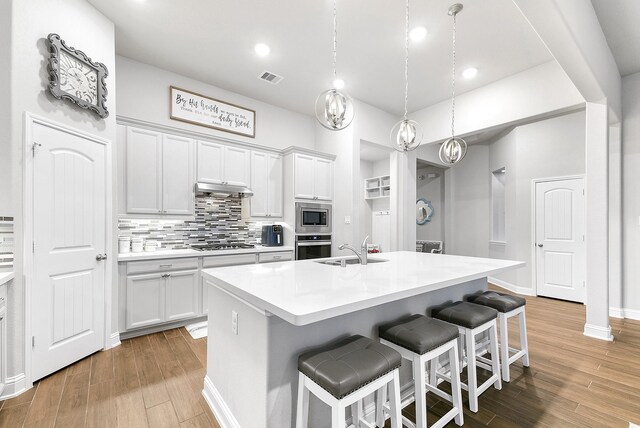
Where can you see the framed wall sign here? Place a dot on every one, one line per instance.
(197, 109)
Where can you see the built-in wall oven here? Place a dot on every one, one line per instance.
(313, 218)
(313, 246)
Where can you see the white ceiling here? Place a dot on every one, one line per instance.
(212, 41)
(619, 21)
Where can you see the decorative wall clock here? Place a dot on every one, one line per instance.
(75, 78)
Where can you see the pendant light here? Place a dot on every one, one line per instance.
(334, 108)
(406, 135)
(454, 149)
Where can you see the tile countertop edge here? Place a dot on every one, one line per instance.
(6, 277)
(321, 315)
(176, 254)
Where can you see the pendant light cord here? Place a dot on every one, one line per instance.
(335, 38)
(453, 80)
(406, 60)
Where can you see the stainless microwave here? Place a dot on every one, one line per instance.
(313, 218)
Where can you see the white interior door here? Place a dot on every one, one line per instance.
(559, 239)
(69, 230)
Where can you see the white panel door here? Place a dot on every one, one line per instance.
(182, 295)
(237, 166)
(559, 235)
(260, 184)
(144, 171)
(303, 176)
(178, 194)
(69, 229)
(323, 179)
(274, 180)
(210, 162)
(145, 300)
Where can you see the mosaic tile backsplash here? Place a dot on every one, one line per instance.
(217, 221)
(6, 244)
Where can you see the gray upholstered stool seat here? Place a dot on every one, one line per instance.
(418, 333)
(465, 314)
(498, 301)
(343, 367)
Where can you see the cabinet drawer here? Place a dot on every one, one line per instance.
(161, 265)
(236, 259)
(280, 256)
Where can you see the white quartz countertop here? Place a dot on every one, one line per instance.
(303, 292)
(6, 277)
(172, 254)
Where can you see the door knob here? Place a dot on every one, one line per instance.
(101, 257)
(540, 245)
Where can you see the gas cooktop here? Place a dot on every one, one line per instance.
(227, 246)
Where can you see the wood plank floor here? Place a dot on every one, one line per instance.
(156, 381)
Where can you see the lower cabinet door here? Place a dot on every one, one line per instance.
(145, 300)
(3, 348)
(183, 295)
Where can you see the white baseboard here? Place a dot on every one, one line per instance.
(114, 340)
(632, 314)
(219, 408)
(616, 312)
(598, 332)
(14, 386)
(511, 287)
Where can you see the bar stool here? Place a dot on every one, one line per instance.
(343, 373)
(507, 306)
(473, 320)
(423, 340)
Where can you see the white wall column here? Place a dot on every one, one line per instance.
(403, 201)
(615, 221)
(597, 224)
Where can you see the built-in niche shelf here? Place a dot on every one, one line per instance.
(377, 187)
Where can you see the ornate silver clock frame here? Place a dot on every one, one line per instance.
(89, 89)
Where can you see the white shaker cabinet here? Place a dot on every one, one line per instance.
(182, 295)
(266, 183)
(218, 163)
(313, 178)
(145, 300)
(3, 337)
(159, 173)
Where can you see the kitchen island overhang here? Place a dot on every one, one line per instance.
(284, 309)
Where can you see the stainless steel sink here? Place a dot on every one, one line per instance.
(349, 261)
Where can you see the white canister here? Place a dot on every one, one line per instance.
(150, 245)
(124, 244)
(137, 245)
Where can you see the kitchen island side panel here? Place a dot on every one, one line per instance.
(268, 381)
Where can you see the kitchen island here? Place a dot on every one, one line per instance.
(261, 317)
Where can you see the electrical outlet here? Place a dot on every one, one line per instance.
(347, 219)
(234, 322)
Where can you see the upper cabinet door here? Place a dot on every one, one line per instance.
(303, 171)
(259, 184)
(274, 180)
(323, 179)
(178, 179)
(210, 162)
(237, 164)
(143, 171)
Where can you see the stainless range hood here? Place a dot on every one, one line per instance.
(224, 190)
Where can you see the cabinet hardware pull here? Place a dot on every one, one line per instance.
(166, 265)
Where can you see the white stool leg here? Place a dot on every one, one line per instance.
(524, 343)
(472, 380)
(461, 348)
(504, 346)
(433, 370)
(302, 414)
(420, 392)
(455, 384)
(381, 399)
(495, 361)
(338, 419)
(395, 405)
(356, 413)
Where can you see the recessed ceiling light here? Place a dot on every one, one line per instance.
(470, 73)
(261, 49)
(338, 83)
(418, 33)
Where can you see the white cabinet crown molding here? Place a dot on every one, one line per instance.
(301, 150)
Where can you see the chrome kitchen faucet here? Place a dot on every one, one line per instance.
(362, 255)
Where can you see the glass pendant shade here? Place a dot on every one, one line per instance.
(334, 109)
(406, 135)
(453, 150)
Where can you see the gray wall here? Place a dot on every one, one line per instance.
(630, 198)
